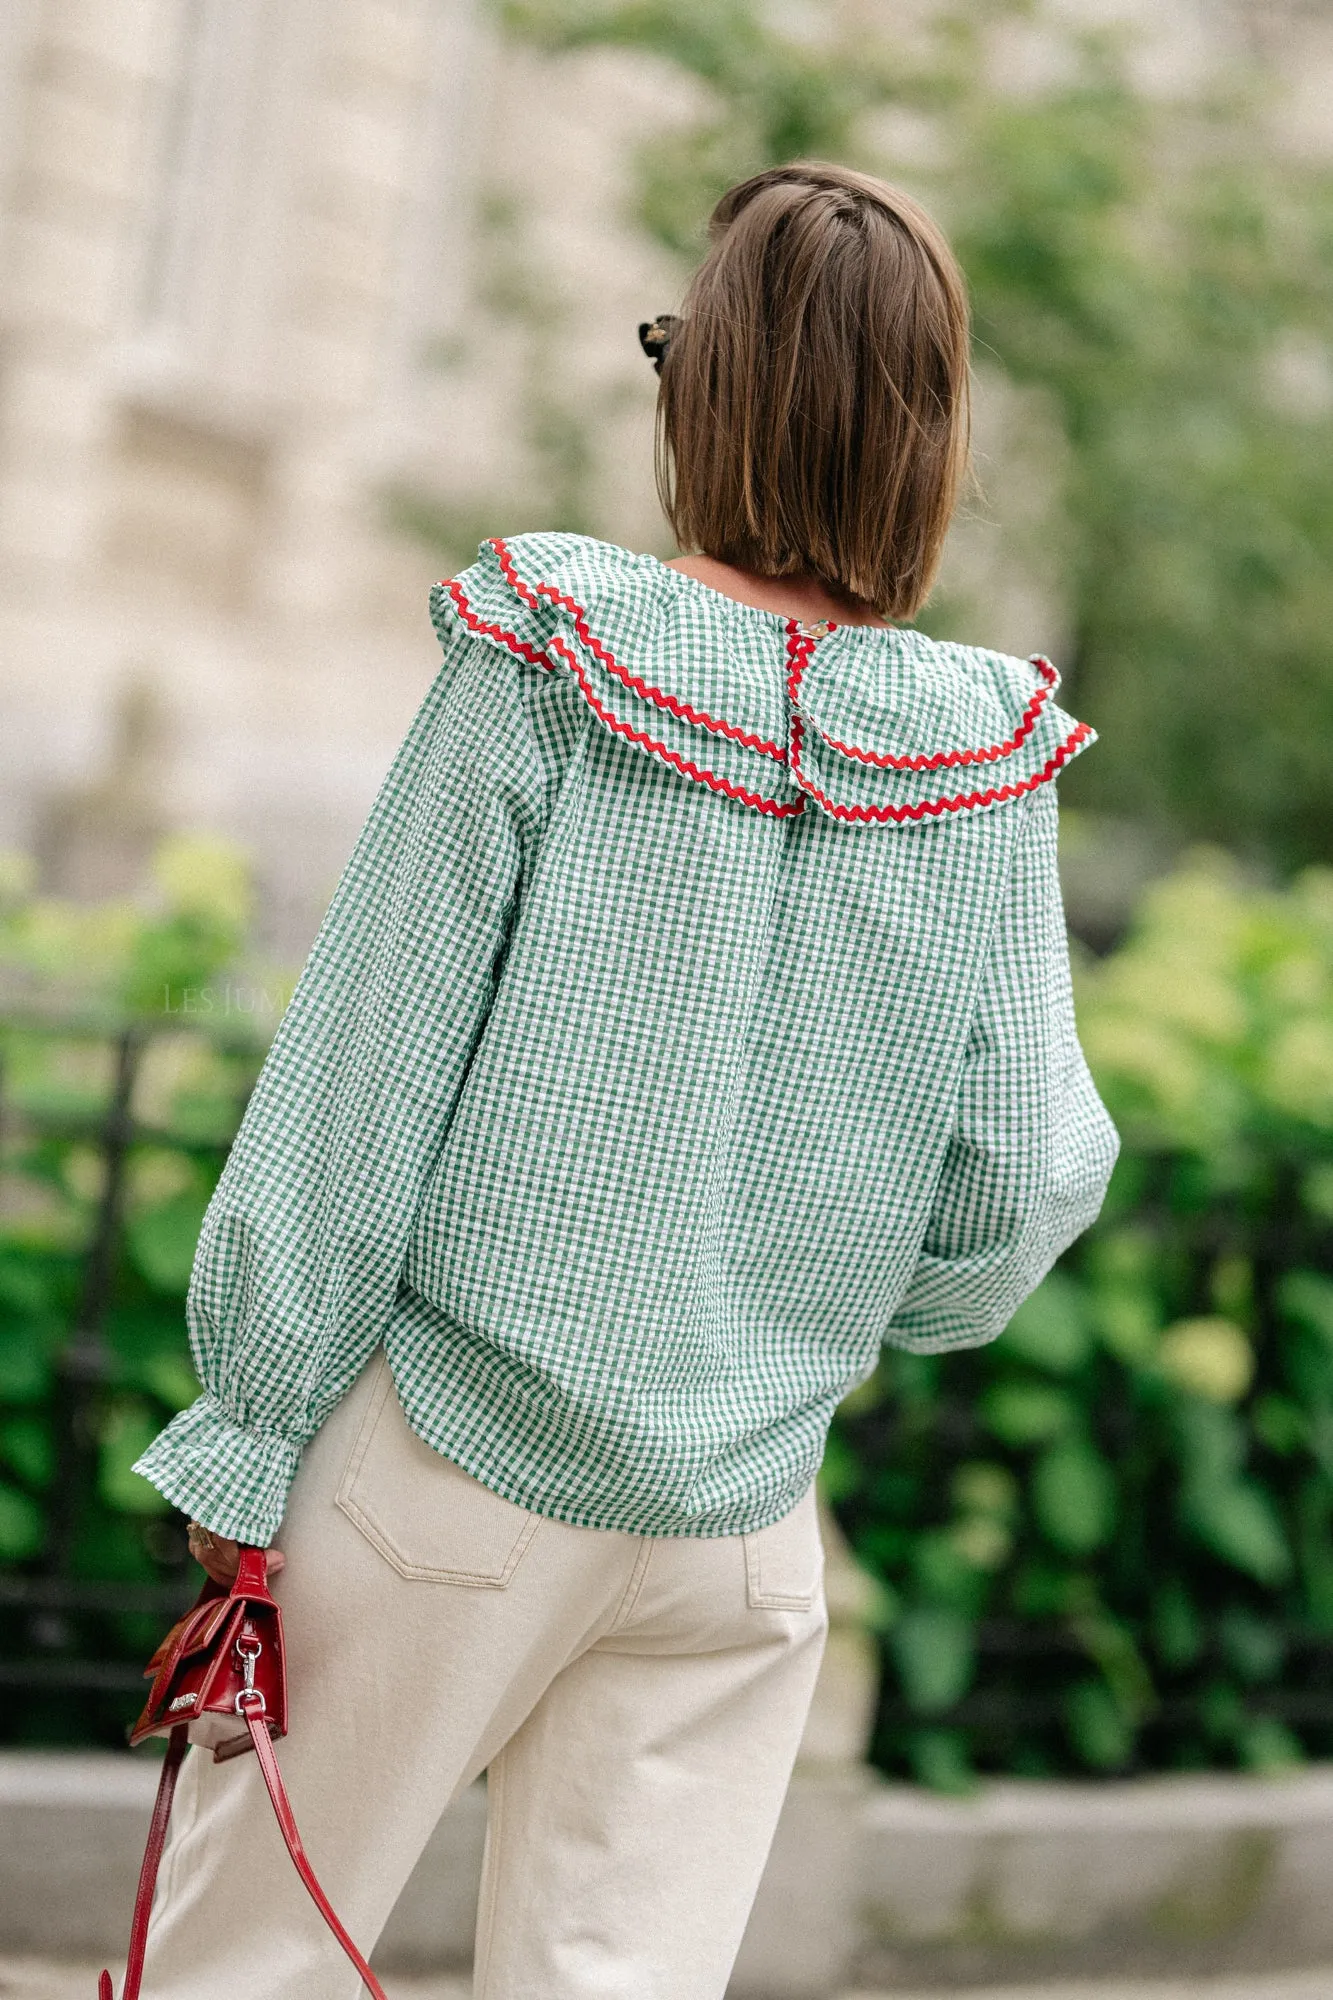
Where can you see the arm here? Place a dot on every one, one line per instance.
(1032, 1145)
(300, 1250)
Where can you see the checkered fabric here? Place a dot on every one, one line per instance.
(692, 1017)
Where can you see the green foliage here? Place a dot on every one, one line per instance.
(75, 978)
(127, 958)
(1155, 274)
(935, 1652)
(1073, 1496)
(1103, 1543)
(1211, 1030)
(20, 1524)
(1108, 1534)
(1156, 277)
(772, 96)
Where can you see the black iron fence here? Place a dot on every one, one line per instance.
(1109, 1536)
(1064, 1650)
(79, 1610)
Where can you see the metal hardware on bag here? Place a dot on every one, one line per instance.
(249, 1699)
(181, 1701)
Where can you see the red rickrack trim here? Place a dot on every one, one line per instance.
(940, 759)
(531, 654)
(634, 682)
(777, 808)
(800, 646)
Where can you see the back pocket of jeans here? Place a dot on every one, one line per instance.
(433, 1522)
(784, 1563)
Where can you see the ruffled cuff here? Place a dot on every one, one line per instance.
(232, 1480)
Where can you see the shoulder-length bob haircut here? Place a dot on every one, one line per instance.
(813, 414)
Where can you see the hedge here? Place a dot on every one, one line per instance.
(1103, 1544)
(1104, 1541)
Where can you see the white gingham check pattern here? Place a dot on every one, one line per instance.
(629, 1095)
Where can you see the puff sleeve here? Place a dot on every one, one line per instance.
(1032, 1146)
(301, 1246)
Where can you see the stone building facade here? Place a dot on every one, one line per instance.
(234, 325)
(284, 283)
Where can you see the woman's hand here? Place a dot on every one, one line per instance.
(221, 1557)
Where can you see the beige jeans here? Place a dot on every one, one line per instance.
(637, 1701)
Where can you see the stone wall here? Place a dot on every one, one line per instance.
(232, 229)
(867, 1883)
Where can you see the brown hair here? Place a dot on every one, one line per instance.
(813, 414)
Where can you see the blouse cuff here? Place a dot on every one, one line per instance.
(230, 1479)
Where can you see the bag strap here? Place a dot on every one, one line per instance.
(282, 1808)
(252, 1575)
(157, 1834)
(152, 1855)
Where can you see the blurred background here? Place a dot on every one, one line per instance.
(300, 301)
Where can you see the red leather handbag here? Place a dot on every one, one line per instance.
(221, 1669)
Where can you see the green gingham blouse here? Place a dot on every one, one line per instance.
(692, 1017)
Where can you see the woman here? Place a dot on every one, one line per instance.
(692, 1018)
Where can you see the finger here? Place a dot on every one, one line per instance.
(276, 1560)
(203, 1543)
(219, 1566)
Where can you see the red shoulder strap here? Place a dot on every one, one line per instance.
(152, 1855)
(268, 1764)
(251, 1583)
(157, 1834)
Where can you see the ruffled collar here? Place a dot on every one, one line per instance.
(876, 726)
